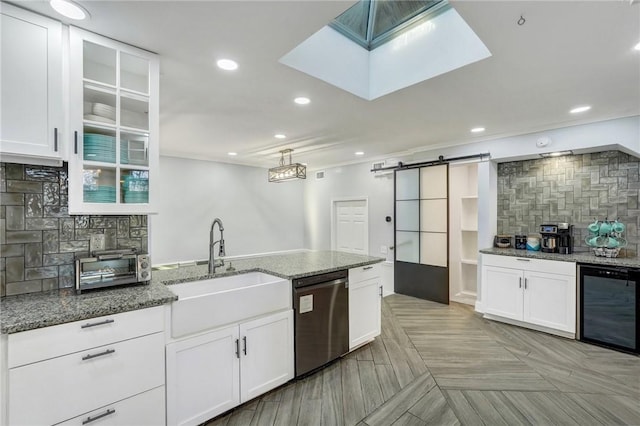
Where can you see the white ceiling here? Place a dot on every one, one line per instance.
(567, 53)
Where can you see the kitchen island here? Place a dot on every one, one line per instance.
(32, 311)
(288, 266)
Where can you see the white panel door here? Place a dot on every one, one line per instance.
(31, 84)
(502, 292)
(550, 300)
(266, 354)
(203, 376)
(351, 226)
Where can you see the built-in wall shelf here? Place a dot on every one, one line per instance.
(463, 240)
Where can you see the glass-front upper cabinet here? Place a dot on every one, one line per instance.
(113, 166)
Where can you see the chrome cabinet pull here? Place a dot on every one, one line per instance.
(244, 343)
(91, 356)
(520, 283)
(367, 268)
(525, 283)
(523, 260)
(90, 419)
(75, 142)
(380, 291)
(238, 348)
(93, 324)
(55, 139)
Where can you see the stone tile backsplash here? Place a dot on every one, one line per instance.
(39, 239)
(574, 189)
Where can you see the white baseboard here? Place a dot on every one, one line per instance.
(560, 333)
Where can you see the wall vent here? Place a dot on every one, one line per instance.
(381, 165)
(378, 165)
(320, 175)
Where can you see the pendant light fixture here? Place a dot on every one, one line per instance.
(285, 172)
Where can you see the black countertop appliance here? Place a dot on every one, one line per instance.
(609, 307)
(550, 238)
(565, 238)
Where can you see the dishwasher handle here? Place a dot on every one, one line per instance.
(337, 282)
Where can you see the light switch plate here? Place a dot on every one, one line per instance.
(384, 249)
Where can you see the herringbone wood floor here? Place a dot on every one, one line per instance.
(437, 364)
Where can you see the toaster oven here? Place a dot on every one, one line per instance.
(109, 268)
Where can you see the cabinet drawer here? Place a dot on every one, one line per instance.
(145, 409)
(528, 264)
(84, 380)
(49, 342)
(362, 273)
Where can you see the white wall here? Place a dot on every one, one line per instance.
(357, 180)
(342, 182)
(621, 133)
(258, 216)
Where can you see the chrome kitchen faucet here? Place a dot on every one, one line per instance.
(221, 253)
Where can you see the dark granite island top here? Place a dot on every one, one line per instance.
(36, 310)
(289, 266)
(584, 257)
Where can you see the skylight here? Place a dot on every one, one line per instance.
(408, 42)
(371, 23)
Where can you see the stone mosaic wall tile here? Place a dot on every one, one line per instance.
(14, 218)
(12, 250)
(23, 186)
(33, 254)
(39, 239)
(23, 287)
(33, 205)
(574, 189)
(9, 199)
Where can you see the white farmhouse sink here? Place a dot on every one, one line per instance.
(212, 303)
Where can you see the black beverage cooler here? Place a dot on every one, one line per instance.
(609, 307)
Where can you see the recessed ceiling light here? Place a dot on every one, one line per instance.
(302, 100)
(637, 46)
(359, 153)
(232, 154)
(477, 129)
(578, 110)
(279, 136)
(227, 64)
(69, 9)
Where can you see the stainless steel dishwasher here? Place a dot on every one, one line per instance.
(321, 305)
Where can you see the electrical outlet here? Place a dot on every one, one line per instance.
(96, 242)
(384, 249)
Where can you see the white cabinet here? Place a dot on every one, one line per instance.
(535, 292)
(113, 120)
(213, 372)
(502, 292)
(202, 376)
(145, 409)
(266, 359)
(32, 119)
(365, 294)
(102, 365)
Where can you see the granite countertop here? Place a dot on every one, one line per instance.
(36, 310)
(583, 257)
(288, 266)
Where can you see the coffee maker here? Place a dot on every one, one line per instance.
(565, 238)
(550, 237)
